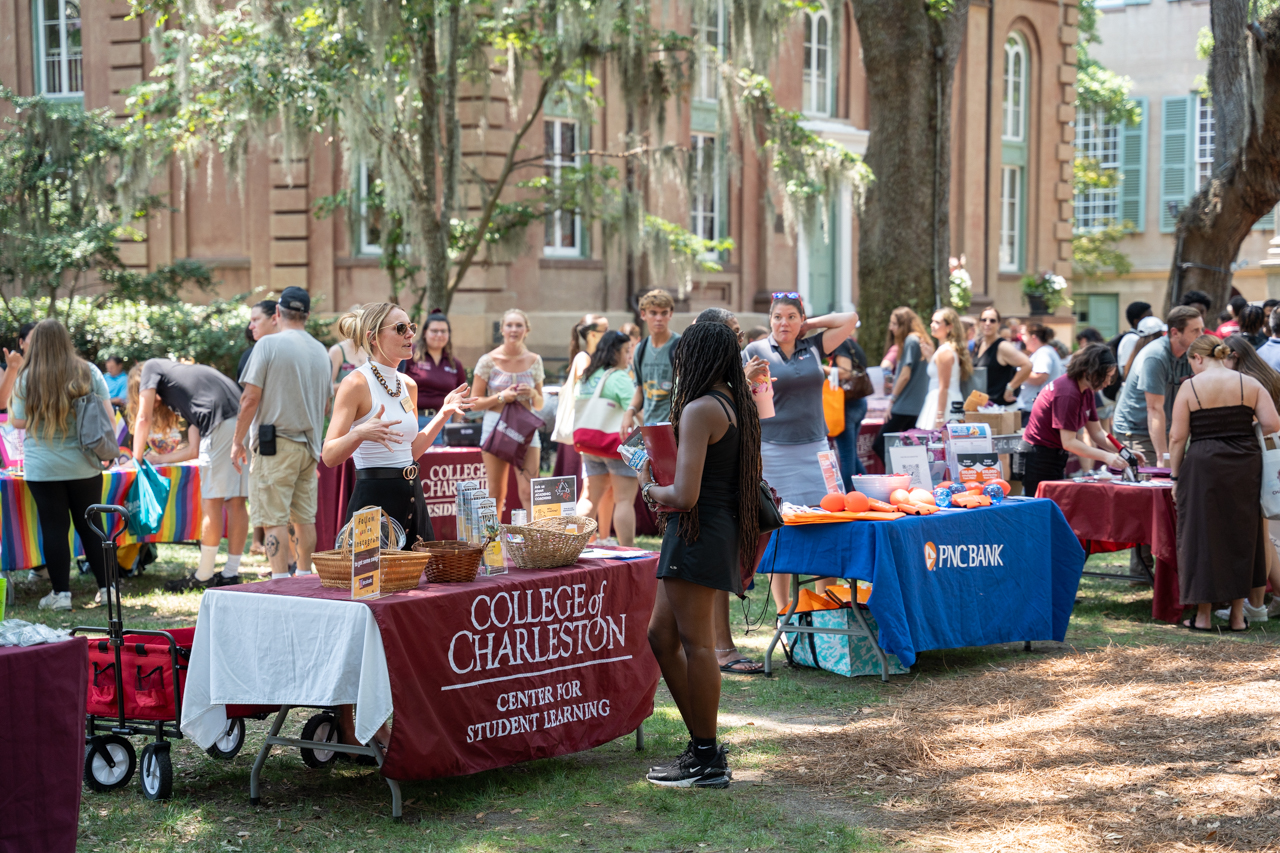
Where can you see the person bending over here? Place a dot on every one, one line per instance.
(704, 548)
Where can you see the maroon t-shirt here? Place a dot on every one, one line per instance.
(1061, 405)
(435, 381)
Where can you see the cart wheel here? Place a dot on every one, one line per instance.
(323, 728)
(108, 763)
(156, 773)
(229, 742)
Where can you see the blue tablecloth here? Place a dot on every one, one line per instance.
(953, 579)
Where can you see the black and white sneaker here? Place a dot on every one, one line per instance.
(223, 580)
(189, 583)
(688, 772)
(688, 753)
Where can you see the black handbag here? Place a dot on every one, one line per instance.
(770, 515)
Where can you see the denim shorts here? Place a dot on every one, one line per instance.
(593, 466)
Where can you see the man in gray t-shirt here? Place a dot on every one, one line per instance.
(1145, 404)
(286, 391)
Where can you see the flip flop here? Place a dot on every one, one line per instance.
(1240, 630)
(1190, 625)
(735, 667)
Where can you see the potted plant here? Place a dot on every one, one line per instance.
(1045, 292)
(960, 285)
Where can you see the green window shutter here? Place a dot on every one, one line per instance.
(1177, 113)
(1137, 2)
(1133, 171)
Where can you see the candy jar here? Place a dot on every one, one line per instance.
(993, 491)
(942, 496)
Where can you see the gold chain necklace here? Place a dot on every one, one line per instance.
(376, 375)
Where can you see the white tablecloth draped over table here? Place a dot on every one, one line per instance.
(280, 650)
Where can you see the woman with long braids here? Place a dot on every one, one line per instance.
(711, 545)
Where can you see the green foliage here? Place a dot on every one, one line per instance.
(1097, 87)
(1095, 252)
(1088, 174)
(1048, 287)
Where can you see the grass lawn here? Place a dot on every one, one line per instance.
(596, 800)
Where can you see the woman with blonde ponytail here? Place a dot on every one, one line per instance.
(63, 479)
(1216, 464)
(375, 418)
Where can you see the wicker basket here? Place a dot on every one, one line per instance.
(546, 545)
(401, 570)
(450, 560)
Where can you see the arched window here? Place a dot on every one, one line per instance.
(1015, 89)
(817, 64)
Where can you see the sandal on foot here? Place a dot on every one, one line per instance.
(1190, 624)
(742, 666)
(1240, 630)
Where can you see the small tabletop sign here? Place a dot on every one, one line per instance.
(554, 496)
(830, 466)
(366, 553)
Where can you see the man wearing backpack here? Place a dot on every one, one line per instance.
(651, 363)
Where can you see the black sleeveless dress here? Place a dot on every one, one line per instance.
(712, 559)
(998, 375)
(1221, 535)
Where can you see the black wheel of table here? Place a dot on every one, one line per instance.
(323, 728)
(109, 762)
(156, 772)
(229, 742)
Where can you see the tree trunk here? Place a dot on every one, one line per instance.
(1246, 186)
(905, 234)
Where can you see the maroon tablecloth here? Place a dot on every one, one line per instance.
(42, 702)
(512, 667)
(866, 437)
(1113, 517)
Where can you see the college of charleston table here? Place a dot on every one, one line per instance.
(509, 668)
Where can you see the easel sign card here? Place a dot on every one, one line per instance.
(913, 461)
(554, 496)
(366, 553)
(830, 466)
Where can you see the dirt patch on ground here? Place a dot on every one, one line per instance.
(1142, 749)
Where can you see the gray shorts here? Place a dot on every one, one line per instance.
(218, 477)
(594, 466)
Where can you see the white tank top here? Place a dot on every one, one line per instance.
(370, 454)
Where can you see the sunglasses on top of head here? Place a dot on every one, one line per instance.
(402, 328)
(785, 294)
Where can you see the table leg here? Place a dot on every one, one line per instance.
(875, 643)
(396, 805)
(777, 634)
(640, 737)
(1026, 645)
(254, 798)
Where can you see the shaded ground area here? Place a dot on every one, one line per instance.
(1122, 748)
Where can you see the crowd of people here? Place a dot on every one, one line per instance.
(1172, 395)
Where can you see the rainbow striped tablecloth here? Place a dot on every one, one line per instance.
(20, 546)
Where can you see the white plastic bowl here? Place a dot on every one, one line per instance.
(878, 487)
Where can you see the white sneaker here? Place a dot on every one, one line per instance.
(1253, 614)
(104, 593)
(37, 575)
(1273, 609)
(56, 601)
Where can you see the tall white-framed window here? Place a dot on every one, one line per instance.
(711, 34)
(1097, 140)
(370, 231)
(816, 93)
(1010, 218)
(1205, 132)
(58, 33)
(1014, 124)
(704, 192)
(563, 231)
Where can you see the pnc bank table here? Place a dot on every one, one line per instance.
(508, 668)
(960, 577)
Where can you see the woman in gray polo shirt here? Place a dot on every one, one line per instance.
(791, 439)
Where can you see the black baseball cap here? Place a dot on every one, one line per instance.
(295, 299)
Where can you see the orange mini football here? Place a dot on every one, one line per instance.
(1004, 485)
(899, 496)
(923, 496)
(832, 503)
(976, 487)
(945, 484)
(856, 502)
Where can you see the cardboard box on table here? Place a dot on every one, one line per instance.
(1003, 425)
